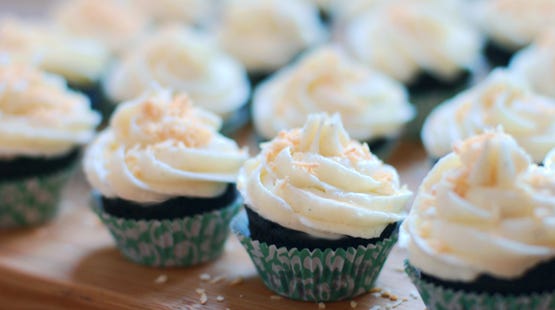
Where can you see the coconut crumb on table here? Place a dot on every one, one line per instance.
(217, 279)
(236, 281)
(200, 291)
(203, 299)
(353, 304)
(205, 277)
(161, 279)
(220, 298)
(275, 297)
(321, 305)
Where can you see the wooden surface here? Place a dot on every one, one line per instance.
(73, 263)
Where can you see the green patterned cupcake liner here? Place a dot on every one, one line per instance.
(31, 201)
(174, 242)
(438, 297)
(318, 275)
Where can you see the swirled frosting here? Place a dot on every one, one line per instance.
(185, 61)
(549, 160)
(115, 23)
(370, 104)
(39, 115)
(484, 209)
(404, 37)
(81, 61)
(266, 34)
(159, 147)
(188, 11)
(536, 64)
(317, 180)
(502, 99)
(515, 23)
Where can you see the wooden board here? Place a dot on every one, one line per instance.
(72, 263)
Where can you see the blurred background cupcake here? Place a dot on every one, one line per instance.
(480, 233)
(42, 126)
(374, 108)
(162, 169)
(314, 195)
(511, 25)
(183, 60)
(503, 99)
(189, 12)
(428, 45)
(265, 35)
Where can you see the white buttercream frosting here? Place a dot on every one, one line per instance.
(402, 38)
(115, 23)
(502, 99)
(515, 23)
(39, 115)
(317, 180)
(79, 60)
(159, 147)
(484, 209)
(370, 104)
(266, 34)
(187, 11)
(536, 64)
(185, 61)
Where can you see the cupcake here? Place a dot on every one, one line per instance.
(512, 24)
(502, 99)
(313, 195)
(115, 23)
(536, 64)
(184, 61)
(429, 46)
(190, 12)
(163, 180)
(480, 233)
(42, 125)
(373, 107)
(81, 61)
(265, 35)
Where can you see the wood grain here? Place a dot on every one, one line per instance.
(72, 263)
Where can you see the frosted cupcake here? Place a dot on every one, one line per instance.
(185, 61)
(42, 126)
(502, 99)
(373, 107)
(512, 24)
(115, 23)
(190, 12)
(480, 233)
(164, 179)
(265, 35)
(314, 195)
(429, 46)
(536, 64)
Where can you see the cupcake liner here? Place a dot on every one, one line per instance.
(31, 201)
(438, 297)
(318, 275)
(174, 242)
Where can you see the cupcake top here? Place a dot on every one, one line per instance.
(549, 160)
(188, 11)
(484, 209)
(502, 99)
(536, 64)
(160, 146)
(79, 60)
(402, 38)
(266, 34)
(370, 104)
(181, 60)
(115, 23)
(317, 180)
(515, 23)
(39, 115)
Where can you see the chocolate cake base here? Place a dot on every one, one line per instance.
(25, 167)
(178, 207)
(270, 232)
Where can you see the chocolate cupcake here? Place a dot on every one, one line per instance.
(480, 232)
(163, 180)
(429, 46)
(265, 35)
(373, 107)
(503, 99)
(314, 195)
(42, 125)
(185, 61)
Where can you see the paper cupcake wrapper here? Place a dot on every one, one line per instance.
(31, 201)
(318, 275)
(166, 243)
(438, 297)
